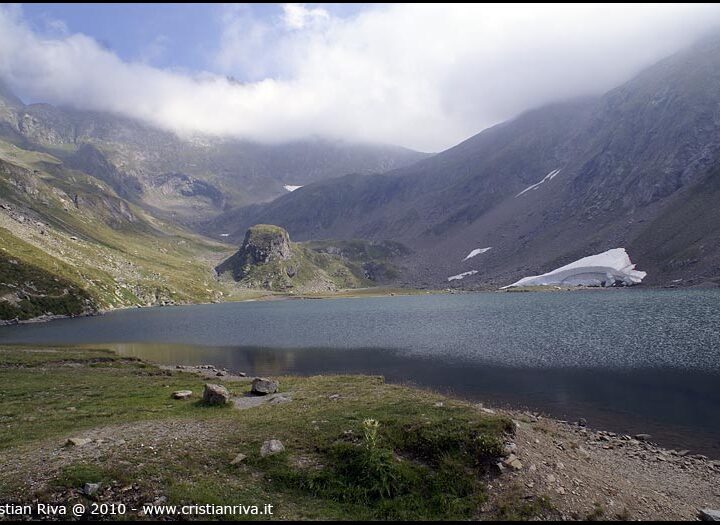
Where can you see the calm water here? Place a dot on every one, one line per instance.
(627, 360)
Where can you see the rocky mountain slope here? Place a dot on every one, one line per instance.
(189, 178)
(634, 168)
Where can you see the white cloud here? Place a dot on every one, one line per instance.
(424, 76)
(297, 16)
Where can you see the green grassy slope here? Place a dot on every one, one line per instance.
(75, 228)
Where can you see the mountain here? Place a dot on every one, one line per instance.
(636, 168)
(184, 179)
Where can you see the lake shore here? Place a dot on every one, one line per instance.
(142, 446)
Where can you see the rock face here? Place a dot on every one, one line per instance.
(271, 447)
(262, 386)
(216, 395)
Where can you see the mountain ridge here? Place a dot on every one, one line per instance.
(618, 161)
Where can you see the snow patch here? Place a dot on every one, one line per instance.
(461, 275)
(224, 235)
(610, 268)
(288, 187)
(475, 252)
(550, 176)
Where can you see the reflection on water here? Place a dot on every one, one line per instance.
(678, 409)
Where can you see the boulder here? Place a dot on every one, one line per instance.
(271, 447)
(216, 395)
(263, 386)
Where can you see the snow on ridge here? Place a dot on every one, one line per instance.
(290, 187)
(475, 252)
(550, 176)
(461, 275)
(609, 268)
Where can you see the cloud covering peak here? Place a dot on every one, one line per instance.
(422, 76)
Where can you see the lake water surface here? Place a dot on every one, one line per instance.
(626, 360)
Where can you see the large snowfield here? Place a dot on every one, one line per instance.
(610, 268)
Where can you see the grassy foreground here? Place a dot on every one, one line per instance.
(355, 447)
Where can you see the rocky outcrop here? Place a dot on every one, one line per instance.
(263, 244)
(268, 260)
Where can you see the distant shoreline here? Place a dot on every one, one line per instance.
(358, 293)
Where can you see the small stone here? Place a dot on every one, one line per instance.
(263, 386)
(642, 437)
(334, 397)
(550, 478)
(220, 374)
(91, 488)
(583, 453)
(582, 422)
(77, 442)
(238, 459)
(242, 374)
(487, 410)
(709, 515)
(439, 404)
(271, 447)
(216, 395)
(683, 453)
(512, 461)
(181, 394)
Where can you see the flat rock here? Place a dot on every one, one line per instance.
(263, 386)
(271, 447)
(77, 442)
(182, 394)
(251, 401)
(238, 459)
(216, 395)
